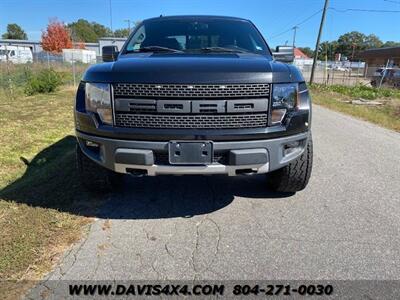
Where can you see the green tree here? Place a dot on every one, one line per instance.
(84, 31)
(391, 44)
(327, 50)
(101, 30)
(351, 44)
(351, 41)
(124, 32)
(372, 41)
(14, 31)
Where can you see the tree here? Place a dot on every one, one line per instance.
(351, 41)
(307, 51)
(391, 44)
(14, 31)
(350, 45)
(79, 45)
(372, 41)
(83, 30)
(327, 50)
(122, 32)
(125, 32)
(56, 37)
(101, 30)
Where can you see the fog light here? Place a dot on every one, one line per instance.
(290, 147)
(92, 144)
(277, 115)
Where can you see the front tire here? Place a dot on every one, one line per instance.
(295, 176)
(95, 177)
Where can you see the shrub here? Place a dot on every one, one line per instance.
(358, 91)
(45, 81)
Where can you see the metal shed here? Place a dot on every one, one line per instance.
(380, 57)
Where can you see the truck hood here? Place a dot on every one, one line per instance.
(189, 69)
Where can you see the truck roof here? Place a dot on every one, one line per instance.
(195, 17)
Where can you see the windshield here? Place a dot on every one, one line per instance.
(191, 35)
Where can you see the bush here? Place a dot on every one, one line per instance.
(358, 91)
(45, 81)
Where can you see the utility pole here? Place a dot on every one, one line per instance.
(352, 53)
(294, 35)
(111, 21)
(129, 24)
(318, 40)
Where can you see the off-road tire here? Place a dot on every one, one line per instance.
(94, 177)
(293, 177)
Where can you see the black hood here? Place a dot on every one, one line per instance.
(189, 69)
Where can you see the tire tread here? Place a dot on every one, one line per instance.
(295, 176)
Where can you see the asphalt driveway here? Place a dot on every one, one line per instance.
(345, 225)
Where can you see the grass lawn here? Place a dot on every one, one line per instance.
(41, 202)
(335, 97)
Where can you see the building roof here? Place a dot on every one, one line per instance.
(12, 41)
(299, 54)
(110, 38)
(387, 52)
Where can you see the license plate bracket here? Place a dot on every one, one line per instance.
(190, 153)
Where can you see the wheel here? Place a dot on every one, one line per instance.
(95, 177)
(293, 177)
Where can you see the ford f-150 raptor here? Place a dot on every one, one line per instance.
(194, 95)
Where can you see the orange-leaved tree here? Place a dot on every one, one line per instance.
(56, 37)
(80, 45)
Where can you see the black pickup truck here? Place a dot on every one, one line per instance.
(194, 95)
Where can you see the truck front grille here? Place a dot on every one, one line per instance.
(195, 91)
(224, 121)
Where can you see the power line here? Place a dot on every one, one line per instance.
(344, 10)
(296, 25)
(397, 2)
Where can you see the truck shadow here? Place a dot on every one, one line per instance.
(51, 181)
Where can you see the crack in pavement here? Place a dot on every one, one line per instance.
(195, 265)
(169, 239)
(195, 268)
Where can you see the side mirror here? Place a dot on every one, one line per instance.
(109, 53)
(284, 54)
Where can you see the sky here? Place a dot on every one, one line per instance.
(274, 18)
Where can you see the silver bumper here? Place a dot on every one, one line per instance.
(214, 168)
(276, 149)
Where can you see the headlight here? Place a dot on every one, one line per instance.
(98, 100)
(283, 99)
(287, 97)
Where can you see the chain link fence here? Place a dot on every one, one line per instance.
(15, 76)
(335, 73)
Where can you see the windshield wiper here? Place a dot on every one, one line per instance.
(155, 49)
(222, 49)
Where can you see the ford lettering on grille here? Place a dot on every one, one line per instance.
(191, 106)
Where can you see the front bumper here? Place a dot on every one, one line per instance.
(257, 156)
